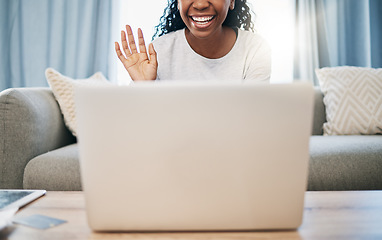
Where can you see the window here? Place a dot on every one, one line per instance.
(274, 21)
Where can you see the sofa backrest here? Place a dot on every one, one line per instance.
(31, 124)
(319, 117)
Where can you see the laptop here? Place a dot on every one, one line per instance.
(194, 156)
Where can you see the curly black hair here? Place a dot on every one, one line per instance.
(171, 21)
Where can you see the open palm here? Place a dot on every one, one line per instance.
(138, 64)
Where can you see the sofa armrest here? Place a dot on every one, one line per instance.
(319, 117)
(31, 123)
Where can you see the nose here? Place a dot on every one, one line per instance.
(200, 4)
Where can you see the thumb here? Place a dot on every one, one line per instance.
(153, 55)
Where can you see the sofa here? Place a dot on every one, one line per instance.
(37, 151)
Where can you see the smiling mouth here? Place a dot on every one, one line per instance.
(202, 20)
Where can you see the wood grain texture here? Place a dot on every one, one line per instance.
(327, 215)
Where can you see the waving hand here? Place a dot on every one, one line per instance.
(138, 64)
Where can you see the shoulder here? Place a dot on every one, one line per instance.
(253, 40)
(168, 39)
(253, 44)
(258, 55)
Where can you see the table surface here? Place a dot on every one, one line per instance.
(327, 215)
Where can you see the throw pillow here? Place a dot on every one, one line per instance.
(353, 100)
(63, 90)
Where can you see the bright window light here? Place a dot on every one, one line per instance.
(274, 21)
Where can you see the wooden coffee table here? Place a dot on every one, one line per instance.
(327, 215)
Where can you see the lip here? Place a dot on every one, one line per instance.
(201, 21)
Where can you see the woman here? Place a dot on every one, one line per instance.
(199, 39)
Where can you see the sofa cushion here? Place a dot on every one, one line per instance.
(57, 170)
(345, 163)
(63, 90)
(336, 163)
(353, 99)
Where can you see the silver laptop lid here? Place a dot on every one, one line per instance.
(194, 156)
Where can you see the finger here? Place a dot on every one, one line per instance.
(141, 41)
(153, 54)
(125, 46)
(130, 37)
(119, 52)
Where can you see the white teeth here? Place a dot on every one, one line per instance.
(202, 19)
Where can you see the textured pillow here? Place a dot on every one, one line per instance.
(353, 100)
(63, 90)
